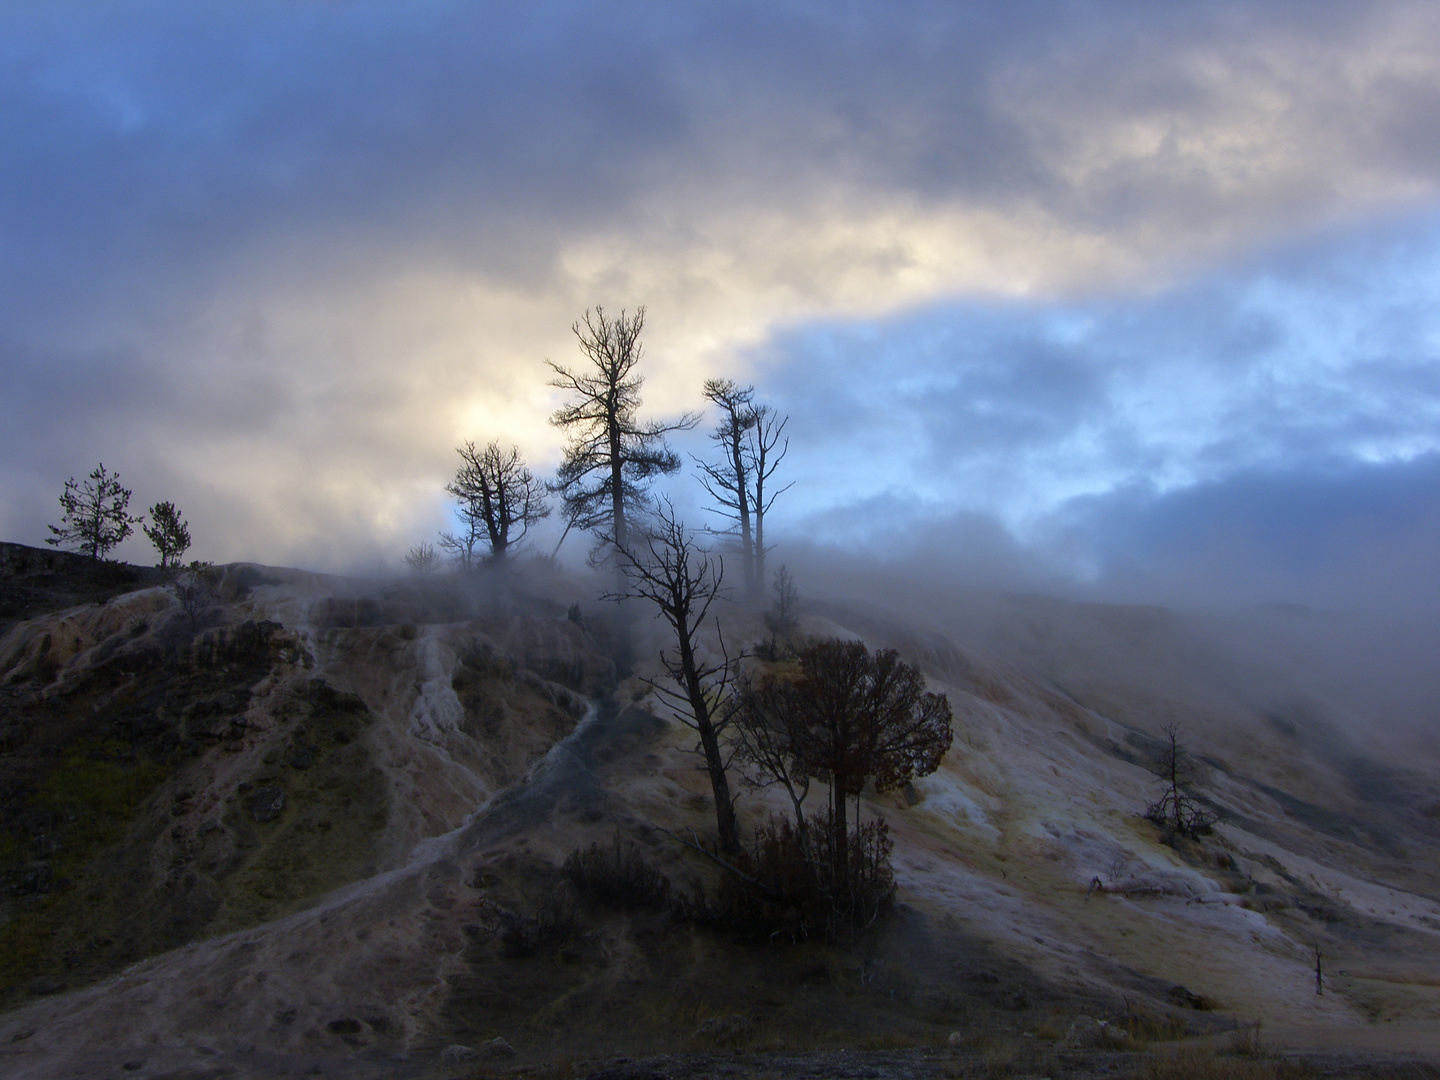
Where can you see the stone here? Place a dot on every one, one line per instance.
(956, 1038)
(1085, 1033)
(498, 1048)
(344, 1026)
(133, 1066)
(267, 803)
(456, 1052)
(37, 880)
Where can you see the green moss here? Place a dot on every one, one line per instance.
(96, 796)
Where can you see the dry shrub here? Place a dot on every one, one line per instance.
(521, 935)
(1245, 1041)
(617, 875)
(1202, 1065)
(786, 887)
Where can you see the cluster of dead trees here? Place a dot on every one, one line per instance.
(610, 460)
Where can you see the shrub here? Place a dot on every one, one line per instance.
(786, 887)
(616, 874)
(521, 935)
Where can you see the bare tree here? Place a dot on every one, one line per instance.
(422, 558)
(498, 495)
(1177, 808)
(96, 515)
(766, 446)
(849, 718)
(461, 544)
(664, 566)
(168, 532)
(783, 618)
(610, 454)
(751, 440)
(728, 482)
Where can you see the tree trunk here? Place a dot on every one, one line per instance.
(839, 837)
(725, 823)
(742, 492)
(617, 485)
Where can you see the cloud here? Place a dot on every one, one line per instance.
(274, 261)
(1325, 354)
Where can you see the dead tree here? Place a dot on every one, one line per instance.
(728, 482)
(765, 447)
(751, 440)
(499, 497)
(1178, 809)
(664, 566)
(610, 455)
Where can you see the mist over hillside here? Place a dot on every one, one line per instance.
(267, 840)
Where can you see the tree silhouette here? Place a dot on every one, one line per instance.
(664, 566)
(498, 495)
(96, 514)
(169, 533)
(749, 437)
(1177, 809)
(849, 718)
(611, 454)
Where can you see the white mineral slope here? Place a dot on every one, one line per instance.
(1036, 801)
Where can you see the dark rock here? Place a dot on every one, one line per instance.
(285, 1016)
(37, 880)
(267, 803)
(44, 987)
(22, 1034)
(1186, 998)
(498, 1048)
(457, 1052)
(133, 1066)
(302, 757)
(345, 1026)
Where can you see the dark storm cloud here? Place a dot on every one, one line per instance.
(1359, 537)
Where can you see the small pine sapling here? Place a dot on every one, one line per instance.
(169, 533)
(96, 515)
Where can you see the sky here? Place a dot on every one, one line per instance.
(1130, 298)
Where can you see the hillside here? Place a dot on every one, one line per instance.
(274, 837)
